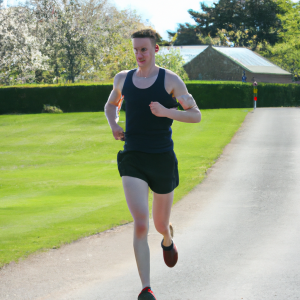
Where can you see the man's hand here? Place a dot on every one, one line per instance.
(157, 109)
(186, 101)
(118, 132)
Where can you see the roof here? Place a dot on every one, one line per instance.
(188, 52)
(250, 60)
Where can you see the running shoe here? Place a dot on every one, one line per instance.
(146, 294)
(170, 254)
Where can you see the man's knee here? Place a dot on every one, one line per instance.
(141, 228)
(161, 227)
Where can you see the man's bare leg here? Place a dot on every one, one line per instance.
(136, 193)
(161, 211)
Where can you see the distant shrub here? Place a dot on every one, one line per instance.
(51, 109)
(172, 60)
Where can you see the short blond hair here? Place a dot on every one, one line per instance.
(146, 33)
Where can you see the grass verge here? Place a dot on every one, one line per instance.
(59, 178)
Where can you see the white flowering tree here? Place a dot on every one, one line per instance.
(17, 47)
(52, 40)
(66, 39)
(61, 35)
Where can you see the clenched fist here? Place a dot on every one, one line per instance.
(157, 109)
(118, 133)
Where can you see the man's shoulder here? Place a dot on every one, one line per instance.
(120, 79)
(172, 77)
(122, 74)
(171, 74)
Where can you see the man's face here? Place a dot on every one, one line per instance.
(144, 51)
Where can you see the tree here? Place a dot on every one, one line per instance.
(123, 58)
(45, 40)
(287, 52)
(69, 38)
(17, 47)
(186, 34)
(61, 32)
(109, 39)
(246, 23)
(172, 61)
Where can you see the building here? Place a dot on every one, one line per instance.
(229, 64)
(187, 52)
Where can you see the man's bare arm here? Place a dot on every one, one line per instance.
(191, 113)
(111, 107)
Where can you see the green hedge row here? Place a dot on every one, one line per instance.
(276, 95)
(241, 95)
(68, 98)
(80, 98)
(221, 95)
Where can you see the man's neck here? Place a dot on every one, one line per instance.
(146, 72)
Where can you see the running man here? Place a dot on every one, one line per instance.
(148, 159)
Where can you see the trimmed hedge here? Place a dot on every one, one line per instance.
(276, 95)
(240, 95)
(221, 95)
(68, 98)
(84, 98)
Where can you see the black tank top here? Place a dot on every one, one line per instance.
(144, 131)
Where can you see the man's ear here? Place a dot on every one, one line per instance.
(156, 48)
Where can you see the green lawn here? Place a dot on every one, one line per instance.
(59, 178)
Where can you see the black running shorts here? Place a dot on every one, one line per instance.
(159, 170)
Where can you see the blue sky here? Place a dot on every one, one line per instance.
(162, 14)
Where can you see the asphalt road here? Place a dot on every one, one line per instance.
(238, 233)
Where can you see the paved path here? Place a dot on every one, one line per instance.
(238, 233)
